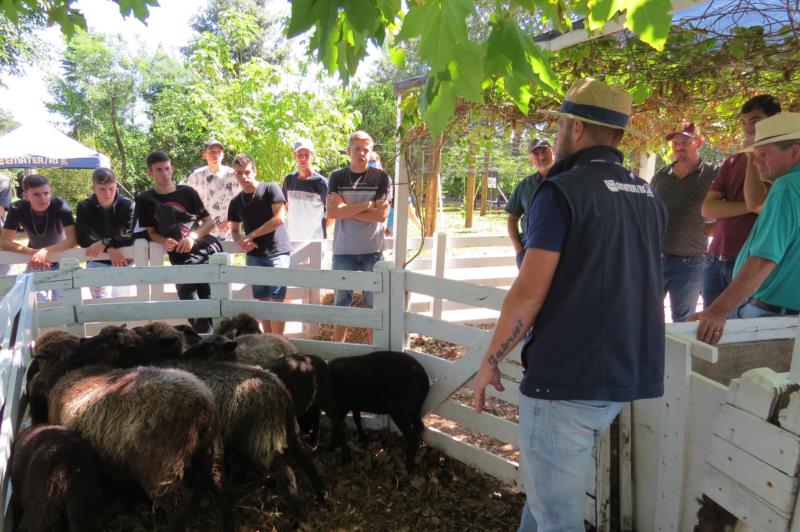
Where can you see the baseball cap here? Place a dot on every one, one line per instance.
(686, 128)
(306, 144)
(539, 143)
(213, 142)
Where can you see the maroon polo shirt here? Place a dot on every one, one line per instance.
(729, 234)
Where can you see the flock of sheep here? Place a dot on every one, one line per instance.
(161, 407)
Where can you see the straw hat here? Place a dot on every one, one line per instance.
(777, 128)
(592, 101)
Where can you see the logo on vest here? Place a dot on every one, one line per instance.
(615, 186)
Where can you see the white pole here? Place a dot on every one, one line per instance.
(400, 197)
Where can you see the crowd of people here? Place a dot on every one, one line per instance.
(600, 250)
(214, 203)
(711, 212)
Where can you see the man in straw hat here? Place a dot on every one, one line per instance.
(768, 267)
(590, 287)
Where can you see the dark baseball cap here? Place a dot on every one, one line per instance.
(539, 143)
(213, 142)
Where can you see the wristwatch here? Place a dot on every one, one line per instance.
(107, 243)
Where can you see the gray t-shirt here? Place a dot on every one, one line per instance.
(685, 235)
(353, 237)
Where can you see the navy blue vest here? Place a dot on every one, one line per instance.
(600, 332)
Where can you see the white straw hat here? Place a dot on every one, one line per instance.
(777, 128)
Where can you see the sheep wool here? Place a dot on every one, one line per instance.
(148, 422)
(258, 349)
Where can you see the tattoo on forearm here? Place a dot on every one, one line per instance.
(507, 343)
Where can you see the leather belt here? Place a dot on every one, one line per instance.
(773, 308)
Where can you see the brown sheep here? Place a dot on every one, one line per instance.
(238, 325)
(157, 426)
(258, 349)
(55, 481)
(258, 420)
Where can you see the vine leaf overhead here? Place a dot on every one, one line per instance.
(464, 63)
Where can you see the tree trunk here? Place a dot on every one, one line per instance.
(432, 190)
(487, 157)
(470, 201)
(118, 139)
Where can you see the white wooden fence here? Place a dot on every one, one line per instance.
(668, 434)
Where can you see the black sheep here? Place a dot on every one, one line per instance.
(308, 379)
(383, 382)
(55, 481)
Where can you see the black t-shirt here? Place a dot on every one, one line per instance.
(253, 211)
(43, 229)
(175, 215)
(172, 215)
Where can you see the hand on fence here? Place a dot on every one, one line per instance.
(39, 260)
(170, 244)
(223, 227)
(95, 249)
(711, 326)
(116, 256)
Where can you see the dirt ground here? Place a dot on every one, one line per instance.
(372, 493)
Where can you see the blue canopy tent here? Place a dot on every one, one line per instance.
(43, 146)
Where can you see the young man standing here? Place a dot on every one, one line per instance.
(726, 202)
(358, 199)
(260, 208)
(46, 220)
(683, 186)
(306, 192)
(104, 222)
(175, 217)
(215, 185)
(541, 157)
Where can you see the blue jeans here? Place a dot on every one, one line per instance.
(261, 291)
(555, 447)
(717, 277)
(98, 291)
(43, 296)
(683, 281)
(364, 262)
(748, 310)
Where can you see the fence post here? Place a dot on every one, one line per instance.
(141, 258)
(398, 339)
(312, 295)
(439, 260)
(221, 289)
(72, 297)
(156, 258)
(382, 301)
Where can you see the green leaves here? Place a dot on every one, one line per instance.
(513, 55)
(650, 20)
